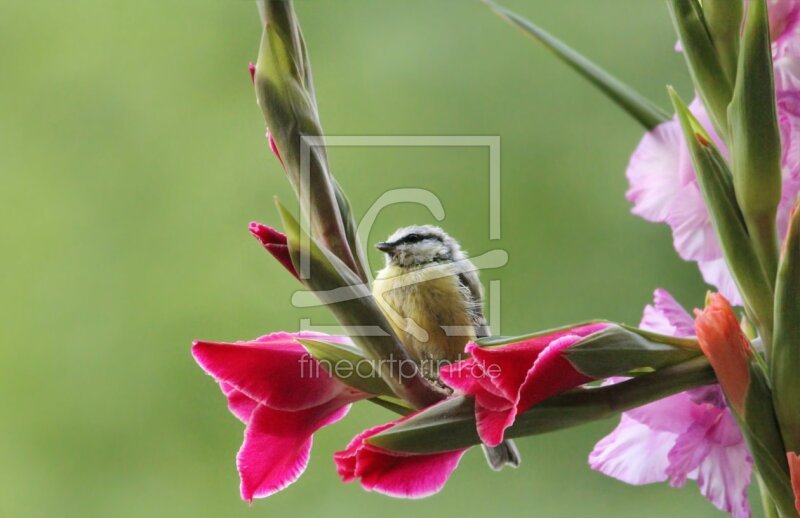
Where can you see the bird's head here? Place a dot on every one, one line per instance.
(419, 245)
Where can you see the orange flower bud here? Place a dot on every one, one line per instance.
(726, 347)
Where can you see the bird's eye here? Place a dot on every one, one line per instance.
(413, 238)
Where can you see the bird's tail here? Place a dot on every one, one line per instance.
(504, 454)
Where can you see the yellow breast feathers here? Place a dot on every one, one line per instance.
(428, 308)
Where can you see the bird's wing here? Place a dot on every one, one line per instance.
(470, 281)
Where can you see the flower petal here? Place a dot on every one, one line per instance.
(277, 445)
(633, 453)
(666, 316)
(392, 473)
(716, 273)
(239, 403)
(273, 370)
(672, 414)
(653, 172)
(724, 475)
(275, 243)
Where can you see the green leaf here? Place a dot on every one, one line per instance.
(615, 351)
(785, 358)
(350, 300)
(716, 185)
(285, 93)
(639, 107)
(348, 365)
(708, 74)
(451, 425)
(755, 138)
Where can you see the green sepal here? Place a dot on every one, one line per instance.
(678, 342)
(351, 302)
(616, 350)
(495, 341)
(762, 433)
(398, 406)
(755, 140)
(348, 365)
(351, 230)
(636, 105)
(785, 359)
(701, 56)
(724, 21)
(451, 425)
(716, 184)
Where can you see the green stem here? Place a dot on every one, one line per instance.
(451, 425)
(770, 510)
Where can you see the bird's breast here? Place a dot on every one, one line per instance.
(428, 309)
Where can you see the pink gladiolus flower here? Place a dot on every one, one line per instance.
(275, 243)
(397, 474)
(283, 396)
(663, 186)
(691, 435)
(664, 189)
(508, 379)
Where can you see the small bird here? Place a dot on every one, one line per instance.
(432, 296)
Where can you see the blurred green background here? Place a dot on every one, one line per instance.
(132, 158)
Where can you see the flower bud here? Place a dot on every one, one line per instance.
(727, 349)
(275, 243)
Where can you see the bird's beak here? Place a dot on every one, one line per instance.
(384, 246)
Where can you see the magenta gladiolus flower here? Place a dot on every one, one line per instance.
(691, 435)
(275, 243)
(397, 474)
(283, 396)
(509, 379)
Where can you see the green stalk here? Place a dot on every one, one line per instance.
(451, 425)
(724, 21)
(285, 93)
(767, 503)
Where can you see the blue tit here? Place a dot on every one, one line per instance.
(431, 295)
